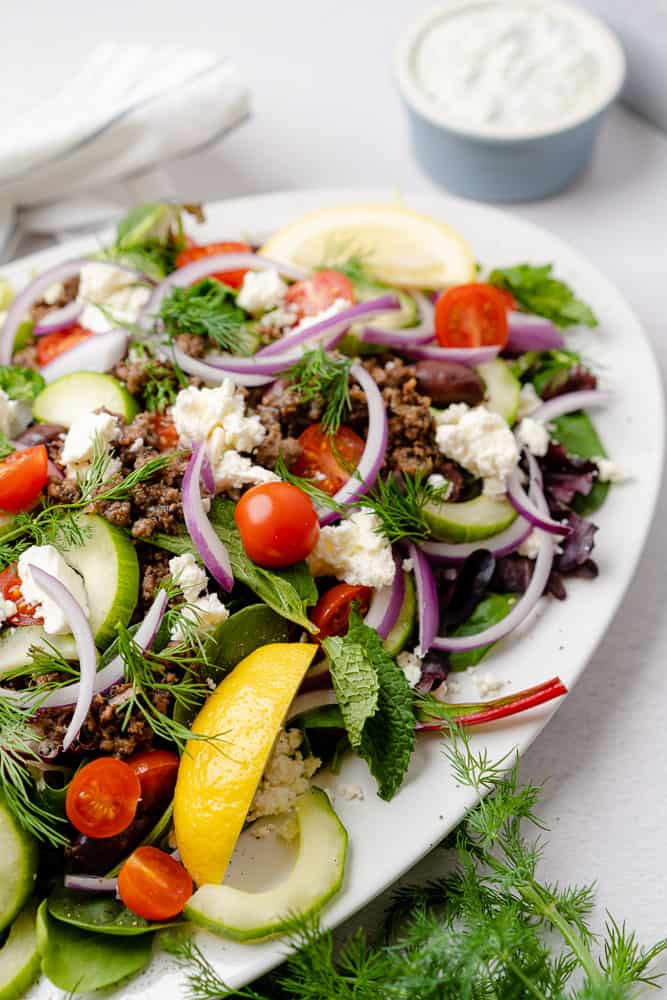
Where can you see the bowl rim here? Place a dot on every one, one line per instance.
(607, 44)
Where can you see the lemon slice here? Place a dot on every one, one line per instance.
(398, 246)
(217, 778)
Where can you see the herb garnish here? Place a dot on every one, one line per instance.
(22, 384)
(150, 237)
(324, 378)
(6, 446)
(207, 308)
(398, 501)
(309, 487)
(161, 381)
(537, 291)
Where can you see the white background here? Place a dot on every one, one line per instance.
(326, 113)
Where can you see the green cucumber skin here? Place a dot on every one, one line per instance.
(469, 521)
(57, 402)
(24, 976)
(20, 853)
(399, 636)
(503, 389)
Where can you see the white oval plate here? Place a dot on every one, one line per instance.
(386, 839)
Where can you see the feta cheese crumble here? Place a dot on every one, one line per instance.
(14, 414)
(205, 612)
(354, 551)
(187, 574)
(116, 290)
(88, 431)
(234, 471)
(480, 441)
(336, 306)
(529, 401)
(261, 291)
(411, 665)
(487, 684)
(48, 558)
(530, 546)
(608, 471)
(534, 436)
(351, 793)
(287, 775)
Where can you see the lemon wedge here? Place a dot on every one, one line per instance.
(399, 246)
(217, 778)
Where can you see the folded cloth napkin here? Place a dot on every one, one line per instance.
(127, 110)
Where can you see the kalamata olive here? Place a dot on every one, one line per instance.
(471, 584)
(449, 382)
(96, 855)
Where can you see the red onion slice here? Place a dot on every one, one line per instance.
(309, 701)
(386, 603)
(570, 402)
(210, 373)
(421, 333)
(60, 319)
(522, 503)
(208, 545)
(372, 459)
(98, 353)
(90, 883)
(333, 326)
(466, 355)
(456, 553)
(427, 600)
(532, 333)
(85, 647)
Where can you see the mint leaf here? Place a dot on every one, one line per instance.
(22, 384)
(355, 682)
(537, 291)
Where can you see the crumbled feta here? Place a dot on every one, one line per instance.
(7, 610)
(232, 471)
(529, 401)
(480, 441)
(199, 413)
(411, 665)
(48, 558)
(278, 318)
(287, 775)
(533, 435)
(53, 293)
(407, 565)
(88, 431)
(530, 546)
(487, 684)
(351, 793)
(261, 291)
(354, 551)
(336, 306)
(188, 575)
(205, 612)
(609, 472)
(116, 290)
(14, 415)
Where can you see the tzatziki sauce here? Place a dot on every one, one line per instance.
(506, 65)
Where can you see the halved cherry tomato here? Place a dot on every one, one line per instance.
(278, 524)
(156, 771)
(23, 476)
(328, 459)
(154, 885)
(54, 344)
(102, 797)
(507, 297)
(232, 278)
(10, 588)
(331, 614)
(312, 295)
(165, 428)
(471, 316)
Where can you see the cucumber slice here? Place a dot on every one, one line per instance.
(18, 865)
(394, 319)
(316, 876)
(72, 395)
(15, 646)
(108, 563)
(503, 389)
(19, 957)
(471, 520)
(404, 625)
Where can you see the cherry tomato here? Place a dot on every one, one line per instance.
(154, 885)
(102, 797)
(165, 428)
(23, 475)
(156, 771)
(471, 316)
(312, 295)
(232, 278)
(332, 457)
(331, 614)
(55, 344)
(507, 297)
(10, 588)
(278, 524)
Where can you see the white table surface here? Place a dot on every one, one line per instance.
(326, 113)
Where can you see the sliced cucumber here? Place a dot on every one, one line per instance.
(316, 876)
(394, 319)
(108, 563)
(81, 392)
(18, 865)
(19, 957)
(404, 625)
(471, 520)
(503, 389)
(15, 644)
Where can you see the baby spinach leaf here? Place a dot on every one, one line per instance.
(576, 433)
(537, 291)
(99, 912)
(242, 633)
(22, 384)
(488, 612)
(79, 961)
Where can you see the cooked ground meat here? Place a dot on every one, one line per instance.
(153, 569)
(69, 292)
(192, 343)
(27, 357)
(274, 444)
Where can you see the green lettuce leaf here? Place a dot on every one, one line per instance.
(537, 291)
(576, 433)
(488, 612)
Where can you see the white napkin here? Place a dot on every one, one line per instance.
(127, 110)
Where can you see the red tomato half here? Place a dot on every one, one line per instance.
(278, 524)
(232, 278)
(328, 460)
(156, 771)
(23, 476)
(154, 885)
(102, 797)
(471, 316)
(10, 588)
(165, 429)
(54, 344)
(331, 614)
(312, 295)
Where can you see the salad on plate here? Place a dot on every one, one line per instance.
(260, 506)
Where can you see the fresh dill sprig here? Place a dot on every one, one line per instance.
(162, 381)
(18, 743)
(399, 501)
(323, 378)
(203, 982)
(207, 308)
(308, 486)
(44, 661)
